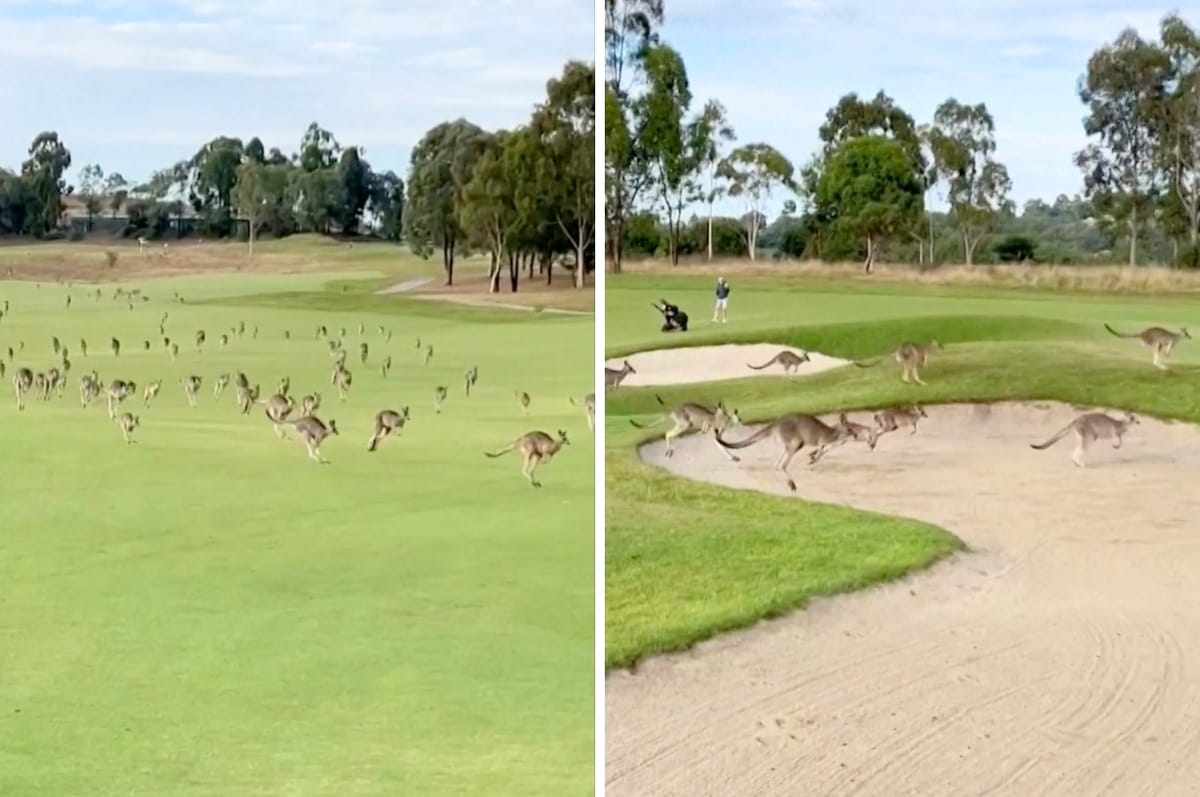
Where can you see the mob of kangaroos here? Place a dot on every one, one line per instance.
(535, 447)
(1157, 339)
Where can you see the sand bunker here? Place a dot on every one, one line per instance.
(711, 363)
(1058, 657)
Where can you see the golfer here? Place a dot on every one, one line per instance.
(719, 312)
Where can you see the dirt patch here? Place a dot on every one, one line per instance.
(711, 363)
(1055, 658)
(471, 287)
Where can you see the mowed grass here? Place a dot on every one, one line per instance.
(686, 561)
(211, 612)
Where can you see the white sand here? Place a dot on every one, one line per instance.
(1061, 656)
(712, 363)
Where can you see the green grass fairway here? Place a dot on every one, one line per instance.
(211, 612)
(685, 561)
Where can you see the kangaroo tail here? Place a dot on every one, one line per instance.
(647, 425)
(658, 398)
(1118, 334)
(1052, 440)
(769, 362)
(502, 451)
(572, 400)
(749, 441)
(866, 365)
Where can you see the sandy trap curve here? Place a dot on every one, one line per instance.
(1060, 657)
(711, 363)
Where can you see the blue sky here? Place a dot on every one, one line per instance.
(779, 65)
(136, 85)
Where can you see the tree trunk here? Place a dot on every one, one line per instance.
(870, 253)
(250, 237)
(530, 257)
(448, 259)
(549, 269)
(580, 262)
(514, 270)
(932, 249)
(710, 222)
(1133, 233)
(969, 247)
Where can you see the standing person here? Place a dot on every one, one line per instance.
(719, 312)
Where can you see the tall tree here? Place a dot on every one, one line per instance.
(752, 171)
(630, 29)
(489, 213)
(565, 127)
(386, 205)
(91, 188)
(439, 166)
(354, 178)
(251, 197)
(712, 131)
(116, 188)
(963, 140)
(43, 173)
(666, 138)
(1179, 136)
(1124, 90)
(318, 149)
(868, 190)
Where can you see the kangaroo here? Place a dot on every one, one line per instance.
(118, 391)
(535, 447)
(246, 396)
(127, 422)
(891, 420)
(790, 361)
(471, 377)
(860, 432)
(242, 380)
(22, 384)
(691, 416)
(362, 353)
(1160, 340)
(322, 332)
(174, 351)
(3, 368)
(312, 432)
(310, 403)
(224, 340)
(385, 366)
(150, 392)
(191, 386)
(341, 379)
(41, 386)
(523, 400)
(1088, 428)
(911, 358)
(796, 431)
(116, 347)
(589, 409)
(386, 423)
(278, 407)
(55, 381)
(220, 384)
(284, 386)
(200, 337)
(613, 377)
(439, 398)
(428, 354)
(55, 344)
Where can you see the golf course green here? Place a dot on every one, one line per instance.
(209, 611)
(686, 561)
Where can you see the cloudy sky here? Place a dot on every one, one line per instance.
(136, 85)
(779, 65)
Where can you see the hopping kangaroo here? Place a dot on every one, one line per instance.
(790, 361)
(313, 431)
(118, 391)
(613, 377)
(1160, 340)
(471, 377)
(386, 423)
(22, 384)
(1089, 428)
(150, 391)
(589, 408)
(535, 447)
(795, 432)
(891, 420)
(191, 386)
(523, 400)
(439, 398)
(127, 422)
(278, 407)
(912, 358)
(689, 416)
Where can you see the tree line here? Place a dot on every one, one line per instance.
(868, 188)
(524, 197)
